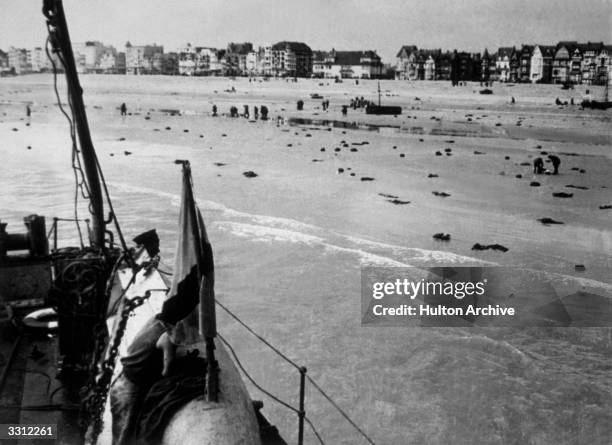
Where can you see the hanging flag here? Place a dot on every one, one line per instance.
(193, 266)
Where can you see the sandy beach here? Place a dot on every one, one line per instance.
(333, 193)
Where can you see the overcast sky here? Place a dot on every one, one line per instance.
(383, 25)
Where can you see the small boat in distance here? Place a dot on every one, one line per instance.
(383, 109)
(599, 104)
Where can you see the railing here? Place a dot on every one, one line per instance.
(300, 411)
(54, 230)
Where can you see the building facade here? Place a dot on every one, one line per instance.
(347, 64)
(18, 60)
(288, 59)
(541, 64)
(145, 59)
(590, 54)
(236, 58)
(525, 64)
(562, 61)
(404, 59)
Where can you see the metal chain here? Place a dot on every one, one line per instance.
(93, 405)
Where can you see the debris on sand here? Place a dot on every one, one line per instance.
(450, 141)
(548, 221)
(402, 155)
(15, 129)
(220, 164)
(579, 268)
(438, 153)
(448, 150)
(398, 202)
(367, 178)
(317, 160)
(168, 128)
(534, 184)
(340, 170)
(562, 195)
(185, 130)
(441, 194)
(442, 236)
(250, 174)
(499, 247)
(476, 152)
(507, 158)
(387, 195)
(605, 207)
(127, 153)
(579, 187)
(432, 175)
(519, 176)
(322, 148)
(354, 149)
(121, 139)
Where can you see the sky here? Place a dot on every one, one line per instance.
(383, 25)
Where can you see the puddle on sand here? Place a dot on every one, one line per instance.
(297, 121)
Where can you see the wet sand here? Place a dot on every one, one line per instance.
(311, 218)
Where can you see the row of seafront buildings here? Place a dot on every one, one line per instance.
(283, 59)
(565, 62)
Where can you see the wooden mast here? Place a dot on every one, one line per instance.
(60, 39)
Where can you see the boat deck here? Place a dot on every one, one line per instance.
(30, 392)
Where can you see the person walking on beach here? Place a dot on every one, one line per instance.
(28, 112)
(538, 166)
(555, 162)
(123, 109)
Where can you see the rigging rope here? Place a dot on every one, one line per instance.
(269, 394)
(283, 356)
(75, 169)
(79, 177)
(259, 337)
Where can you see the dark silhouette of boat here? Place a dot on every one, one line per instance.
(382, 109)
(604, 104)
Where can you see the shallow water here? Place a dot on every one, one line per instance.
(289, 245)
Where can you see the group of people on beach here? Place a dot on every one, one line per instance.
(359, 102)
(538, 165)
(263, 110)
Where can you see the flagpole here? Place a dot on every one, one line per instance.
(208, 319)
